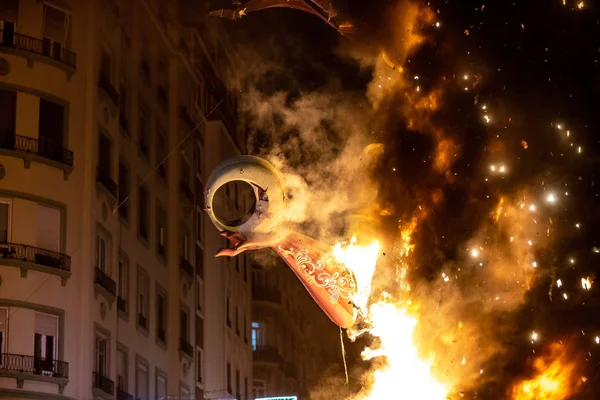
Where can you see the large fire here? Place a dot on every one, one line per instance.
(555, 377)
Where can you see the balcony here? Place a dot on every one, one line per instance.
(103, 384)
(104, 285)
(186, 267)
(29, 368)
(43, 50)
(186, 192)
(266, 294)
(143, 322)
(104, 179)
(106, 86)
(123, 395)
(29, 257)
(266, 354)
(42, 150)
(185, 347)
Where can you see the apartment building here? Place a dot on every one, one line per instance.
(104, 250)
(293, 341)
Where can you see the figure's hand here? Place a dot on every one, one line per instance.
(241, 244)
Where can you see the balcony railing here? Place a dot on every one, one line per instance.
(103, 177)
(103, 383)
(107, 87)
(187, 192)
(268, 354)
(32, 365)
(265, 293)
(143, 321)
(186, 266)
(121, 304)
(123, 395)
(42, 147)
(105, 281)
(35, 255)
(186, 347)
(41, 47)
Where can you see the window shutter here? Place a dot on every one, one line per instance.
(55, 25)
(48, 230)
(46, 324)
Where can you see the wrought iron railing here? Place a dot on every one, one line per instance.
(105, 84)
(122, 304)
(187, 192)
(103, 177)
(42, 47)
(265, 293)
(103, 383)
(186, 266)
(186, 347)
(143, 321)
(102, 279)
(266, 354)
(43, 147)
(34, 365)
(35, 255)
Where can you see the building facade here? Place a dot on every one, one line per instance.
(293, 341)
(104, 251)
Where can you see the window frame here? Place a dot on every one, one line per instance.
(199, 296)
(123, 260)
(99, 336)
(200, 371)
(9, 203)
(143, 281)
(102, 234)
(146, 236)
(161, 292)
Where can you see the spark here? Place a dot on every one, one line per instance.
(580, 5)
(487, 119)
(586, 283)
(579, 150)
(474, 253)
(534, 336)
(483, 107)
(559, 283)
(534, 264)
(532, 207)
(572, 260)
(559, 127)
(597, 339)
(595, 249)
(464, 361)
(565, 296)
(551, 198)
(437, 24)
(466, 77)
(493, 168)
(416, 77)
(502, 169)
(529, 242)
(577, 226)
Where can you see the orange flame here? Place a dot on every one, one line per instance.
(556, 377)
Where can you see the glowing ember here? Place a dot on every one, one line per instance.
(586, 283)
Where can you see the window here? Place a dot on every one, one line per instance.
(185, 244)
(199, 261)
(199, 364)
(8, 110)
(122, 369)
(229, 378)
(199, 295)
(105, 66)
(144, 134)
(143, 216)
(161, 317)
(199, 224)
(104, 155)
(237, 383)
(141, 379)
(4, 221)
(56, 27)
(45, 349)
(123, 107)
(143, 295)
(160, 230)
(123, 284)
(51, 130)
(3, 331)
(48, 228)
(161, 385)
(101, 357)
(183, 324)
(258, 335)
(103, 251)
(227, 311)
(161, 152)
(245, 329)
(123, 190)
(237, 320)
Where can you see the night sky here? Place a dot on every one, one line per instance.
(537, 68)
